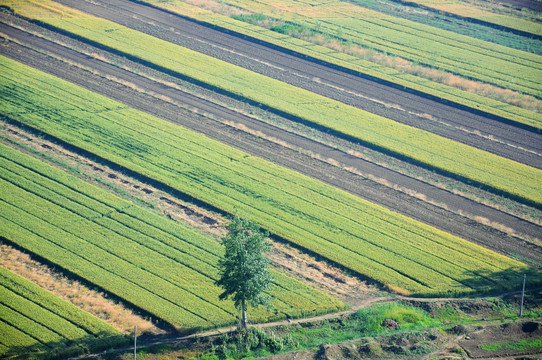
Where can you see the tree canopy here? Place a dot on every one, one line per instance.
(244, 270)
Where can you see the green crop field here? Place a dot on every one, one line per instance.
(34, 321)
(375, 70)
(479, 13)
(165, 270)
(423, 44)
(403, 254)
(154, 50)
(161, 267)
(504, 175)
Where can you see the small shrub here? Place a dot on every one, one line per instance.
(221, 352)
(274, 343)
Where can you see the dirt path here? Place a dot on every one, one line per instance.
(330, 165)
(483, 330)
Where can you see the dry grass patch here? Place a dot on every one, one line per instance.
(73, 291)
(507, 96)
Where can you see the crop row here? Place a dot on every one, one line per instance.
(467, 11)
(459, 54)
(480, 103)
(113, 246)
(33, 317)
(350, 62)
(504, 175)
(392, 249)
(450, 156)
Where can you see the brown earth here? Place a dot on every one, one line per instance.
(528, 330)
(209, 113)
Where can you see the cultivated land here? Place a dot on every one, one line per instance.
(157, 100)
(336, 51)
(167, 272)
(427, 45)
(36, 321)
(397, 104)
(482, 14)
(226, 178)
(323, 118)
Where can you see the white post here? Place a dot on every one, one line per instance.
(522, 296)
(135, 342)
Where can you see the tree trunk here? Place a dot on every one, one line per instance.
(244, 315)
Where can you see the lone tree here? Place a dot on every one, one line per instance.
(244, 270)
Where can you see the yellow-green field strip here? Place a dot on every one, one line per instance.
(437, 90)
(458, 8)
(518, 180)
(446, 50)
(401, 253)
(159, 266)
(37, 321)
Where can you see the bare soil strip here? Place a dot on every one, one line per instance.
(172, 104)
(463, 125)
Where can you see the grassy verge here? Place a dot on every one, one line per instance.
(419, 329)
(513, 345)
(405, 255)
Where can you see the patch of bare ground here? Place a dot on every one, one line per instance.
(80, 295)
(477, 343)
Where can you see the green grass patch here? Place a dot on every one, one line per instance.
(367, 322)
(519, 345)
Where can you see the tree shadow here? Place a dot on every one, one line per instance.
(486, 282)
